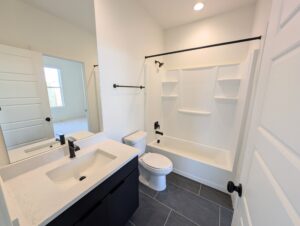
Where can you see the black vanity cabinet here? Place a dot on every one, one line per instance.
(112, 203)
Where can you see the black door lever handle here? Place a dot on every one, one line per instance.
(231, 187)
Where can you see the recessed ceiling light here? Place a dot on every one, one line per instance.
(199, 6)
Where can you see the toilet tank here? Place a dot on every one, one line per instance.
(137, 140)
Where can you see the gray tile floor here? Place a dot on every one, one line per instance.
(183, 203)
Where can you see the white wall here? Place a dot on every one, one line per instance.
(24, 26)
(125, 34)
(261, 17)
(72, 88)
(229, 26)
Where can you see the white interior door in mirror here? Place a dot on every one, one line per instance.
(23, 98)
(271, 164)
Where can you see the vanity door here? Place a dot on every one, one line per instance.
(97, 217)
(123, 200)
(117, 207)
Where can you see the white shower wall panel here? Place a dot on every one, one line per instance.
(196, 88)
(210, 104)
(214, 123)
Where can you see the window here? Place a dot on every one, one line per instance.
(54, 87)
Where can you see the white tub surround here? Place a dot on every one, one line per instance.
(41, 188)
(203, 125)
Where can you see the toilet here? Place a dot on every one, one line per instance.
(153, 167)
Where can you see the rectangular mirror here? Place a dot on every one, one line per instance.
(48, 74)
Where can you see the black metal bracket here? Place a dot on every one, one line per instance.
(135, 87)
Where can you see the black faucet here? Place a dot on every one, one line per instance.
(61, 138)
(160, 133)
(72, 147)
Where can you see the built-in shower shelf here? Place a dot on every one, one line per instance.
(169, 82)
(226, 99)
(169, 96)
(229, 79)
(193, 112)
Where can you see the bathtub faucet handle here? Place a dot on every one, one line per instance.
(156, 125)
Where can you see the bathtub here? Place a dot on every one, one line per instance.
(207, 165)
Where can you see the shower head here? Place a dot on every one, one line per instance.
(160, 64)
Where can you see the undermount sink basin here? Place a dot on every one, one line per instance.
(80, 168)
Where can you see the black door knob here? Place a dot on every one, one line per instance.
(231, 187)
(48, 119)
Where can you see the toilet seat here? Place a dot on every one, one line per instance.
(156, 163)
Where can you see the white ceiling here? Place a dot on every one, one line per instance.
(77, 12)
(171, 13)
(168, 13)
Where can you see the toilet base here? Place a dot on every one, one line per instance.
(155, 182)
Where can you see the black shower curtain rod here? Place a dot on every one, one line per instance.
(204, 47)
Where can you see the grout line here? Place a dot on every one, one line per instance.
(157, 201)
(168, 217)
(180, 214)
(219, 216)
(131, 223)
(183, 188)
(199, 194)
(213, 202)
(199, 191)
(174, 183)
(175, 211)
(146, 194)
(163, 204)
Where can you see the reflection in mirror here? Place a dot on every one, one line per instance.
(47, 74)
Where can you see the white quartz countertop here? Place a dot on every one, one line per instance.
(35, 199)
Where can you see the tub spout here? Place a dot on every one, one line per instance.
(160, 133)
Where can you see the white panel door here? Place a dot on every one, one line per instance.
(24, 104)
(271, 166)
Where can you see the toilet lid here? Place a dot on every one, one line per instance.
(156, 160)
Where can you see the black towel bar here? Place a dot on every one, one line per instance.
(136, 87)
